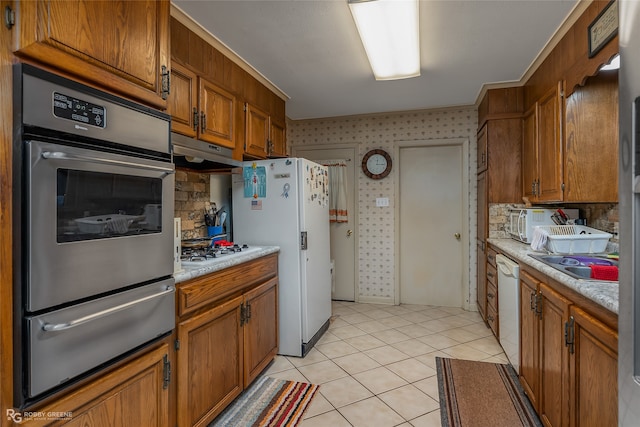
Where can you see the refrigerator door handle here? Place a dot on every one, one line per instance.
(303, 240)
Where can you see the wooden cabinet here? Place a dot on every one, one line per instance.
(593, 371)
(122, 46)
(209, 360)
(265, 136)
(542, 148)
(135, 394)
(492, 292)
(481, 294)
(568, 358)
(591, 143)
(260, 329)
(483, 143)
(201, 109)
(227, 334)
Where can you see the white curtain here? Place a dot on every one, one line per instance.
(337, 190)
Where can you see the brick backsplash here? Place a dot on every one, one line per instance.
(192, 191)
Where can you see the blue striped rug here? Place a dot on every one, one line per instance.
(268, 402)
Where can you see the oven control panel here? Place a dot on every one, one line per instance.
(77, 110)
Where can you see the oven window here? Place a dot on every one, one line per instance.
(97, 205)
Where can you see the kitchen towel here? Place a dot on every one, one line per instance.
(539, 239)
(337, 190)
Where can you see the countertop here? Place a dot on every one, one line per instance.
(191, 272)
(601, 292)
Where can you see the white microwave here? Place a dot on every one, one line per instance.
(522, 221)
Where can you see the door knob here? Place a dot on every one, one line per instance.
(349, 233)
(457, 236)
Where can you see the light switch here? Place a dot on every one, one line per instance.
(382, 202)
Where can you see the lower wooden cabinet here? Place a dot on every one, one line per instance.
(568, 359)
(226, 336)
(136, 394)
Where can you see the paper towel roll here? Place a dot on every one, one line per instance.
(194, 159)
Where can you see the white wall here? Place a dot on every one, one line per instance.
(376, 225)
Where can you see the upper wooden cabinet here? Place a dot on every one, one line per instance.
(215, 100)
(542, 148)
(122, 46)
(500, 104)
(591, 143)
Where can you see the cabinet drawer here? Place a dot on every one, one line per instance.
(492, 320)
(492, 275)
(492, 296)
(491, 256)
(197, 293)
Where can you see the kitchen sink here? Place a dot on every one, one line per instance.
(576, 266)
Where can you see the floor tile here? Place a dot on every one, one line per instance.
(337, 323)
(344, 391)
(347, 332)
(429, 359)
(385, 355)
(379, 380)
(378, 314)
(336, 349)
(394, 321)
(314, 356)
(372, 326)
(355, 363)
(413, 347)
(415, 317)
(356, 318)
(332, 418)
(488, 344)
(320, 373)
(466, 352)
(280, 363)
(371, 412)
(390, 336)
(365, 342)
(438, 341)
(429, 386)
(327, 337)
(319, 405)
(290, 375)
(409, 402)
(460, 334)
(431, 419)
(413, 330)
(411, 370)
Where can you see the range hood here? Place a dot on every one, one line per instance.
(195, 154)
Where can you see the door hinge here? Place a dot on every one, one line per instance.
(196, 122)
(9, 17)
(303, 240)
(203, 121)
(166, 372)
(243, 314)
(176, 344)
(165, 74)
(247, 313)
(570, 334)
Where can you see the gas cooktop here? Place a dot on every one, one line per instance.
(212, 255)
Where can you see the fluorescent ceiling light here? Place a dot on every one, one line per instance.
(614, 64)
(389, 30)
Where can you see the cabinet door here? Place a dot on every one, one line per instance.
(591, 143)
(217, 108)
(182, 102)
(277, 140)
(593, 372)
(482, 149)
(481, 297)
(529, 339)
(256, 131)
(550, 109)
(99, 40)
(133, 395)
(260, 329)
(504, 160)
(554, 358)
(529, 153)
(209, 363)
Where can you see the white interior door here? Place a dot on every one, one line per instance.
(343, 236)
(431, 223)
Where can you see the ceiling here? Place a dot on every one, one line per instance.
(310, 49)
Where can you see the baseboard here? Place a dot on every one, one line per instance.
(375, 300)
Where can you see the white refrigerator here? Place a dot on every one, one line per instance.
(285, 203)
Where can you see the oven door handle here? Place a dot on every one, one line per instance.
(58, 155)
(55, 327)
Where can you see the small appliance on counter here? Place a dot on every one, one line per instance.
(523, 221)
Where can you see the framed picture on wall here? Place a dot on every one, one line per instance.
(603, 28)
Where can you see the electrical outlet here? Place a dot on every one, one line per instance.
(382, 202)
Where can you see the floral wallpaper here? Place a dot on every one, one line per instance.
(376, 226)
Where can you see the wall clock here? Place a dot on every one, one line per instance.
(376, 164)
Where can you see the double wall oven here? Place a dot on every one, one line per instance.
(93, 231)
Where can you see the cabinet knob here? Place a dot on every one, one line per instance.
(457, 236)
(349, 233)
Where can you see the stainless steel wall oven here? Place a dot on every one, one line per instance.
(93, 231)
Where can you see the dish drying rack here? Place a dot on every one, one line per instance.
(574, 239)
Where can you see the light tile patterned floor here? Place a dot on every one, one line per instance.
(376, 363)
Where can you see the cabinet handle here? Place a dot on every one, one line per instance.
(166, 82)
(203, 122)
(569, 334)
(196, 121)
(539, 305)
(532, 303)
(533, 187)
